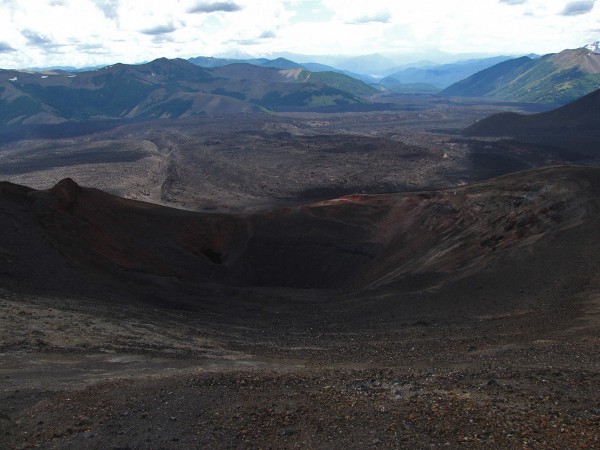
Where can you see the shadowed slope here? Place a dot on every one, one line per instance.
(353, 242)
(578, 116)
(573, 128)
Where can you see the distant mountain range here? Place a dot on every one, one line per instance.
(372, 65)
(376, 70)
(210, 62)
(205, 85)
(169, 88)
(278, 63)
(437, 77)
(555, 78)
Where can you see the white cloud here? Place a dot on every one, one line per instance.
(109, 8)
(211, 7)
(161, 29)
(578, 7)
(267, 35)
(5, 48)
(36, 39)
(376, 17)
(91, 32)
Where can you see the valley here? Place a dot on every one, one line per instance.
(392, 271)
(320, 224)
(478, 339)
(212, 163)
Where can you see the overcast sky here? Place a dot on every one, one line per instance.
(46, 33)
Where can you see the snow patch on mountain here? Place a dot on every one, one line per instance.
(594, 47)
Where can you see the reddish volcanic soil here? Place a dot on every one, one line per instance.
(461, 317)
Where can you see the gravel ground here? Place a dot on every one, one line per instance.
(71, 381)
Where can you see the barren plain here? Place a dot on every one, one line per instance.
(357, 280)
(257, 161)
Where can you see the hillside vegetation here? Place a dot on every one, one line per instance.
(167, 89)
(556, 78)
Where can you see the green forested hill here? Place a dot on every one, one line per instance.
(168, 88)
(556, 78)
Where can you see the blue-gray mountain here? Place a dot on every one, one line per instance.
(435, 77)
(169, 88)
(278, 63)
(555, 78)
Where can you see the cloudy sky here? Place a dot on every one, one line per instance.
(43, 33)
